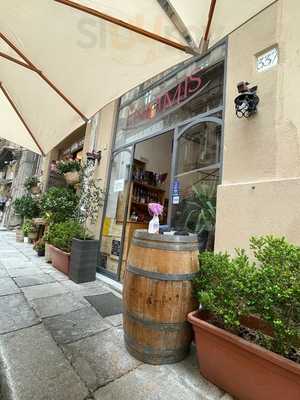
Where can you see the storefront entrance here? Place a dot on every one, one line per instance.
(176, 167)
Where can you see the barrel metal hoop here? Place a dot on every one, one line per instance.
(145, 235)
(177, 352)
(165, 246)
(158, 326)
(159, 276)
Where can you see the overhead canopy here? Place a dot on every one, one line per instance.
(61, 61)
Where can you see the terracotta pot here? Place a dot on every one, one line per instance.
(241, 368)
(72, 178)
(35, 190)
(19, 235)
(32, 235)
(60, 259)
(39, 221)
(48, 253)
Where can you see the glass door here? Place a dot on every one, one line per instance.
(196, 173)
(115, 216)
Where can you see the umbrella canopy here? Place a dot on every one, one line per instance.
(61, 61)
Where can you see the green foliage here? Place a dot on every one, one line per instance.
(31, 182)
(91, 197)
(68, 166)
(235, 287)
(200, 210)
(27, 207)
(60, 235)
(28, 227)
(39, 245)
(59, 204)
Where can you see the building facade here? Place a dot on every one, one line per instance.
(178, 136)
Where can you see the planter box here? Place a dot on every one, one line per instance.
(60, 259)
(48, 253)
(84, 255)
(241, 368)
(19, 235)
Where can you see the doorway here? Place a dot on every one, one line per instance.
(140, 174)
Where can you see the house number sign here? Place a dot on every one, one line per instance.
(267, 60)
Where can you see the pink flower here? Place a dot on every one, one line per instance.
(155, 209)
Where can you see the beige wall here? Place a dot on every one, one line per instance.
(104, 133)
(261, 171)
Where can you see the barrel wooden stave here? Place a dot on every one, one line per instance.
(157, 298)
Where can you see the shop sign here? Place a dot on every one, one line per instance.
(116, 248)
(167, 102)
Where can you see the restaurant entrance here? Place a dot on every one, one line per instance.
(167, 150)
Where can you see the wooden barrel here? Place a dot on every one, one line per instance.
(157, 296)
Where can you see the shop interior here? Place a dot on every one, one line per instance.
(130, 194)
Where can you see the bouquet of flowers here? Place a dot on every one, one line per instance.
(155, 209)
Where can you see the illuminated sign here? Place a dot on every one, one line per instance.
(166, 102)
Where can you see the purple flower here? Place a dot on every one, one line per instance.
(155, 209)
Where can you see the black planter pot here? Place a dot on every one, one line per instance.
(202, 240)
(84, 255)
(41, 253)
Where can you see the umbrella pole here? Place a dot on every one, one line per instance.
(4, 91)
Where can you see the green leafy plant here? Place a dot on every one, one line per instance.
(59, 204)
(61, 235)
(39, 245)
(27, 207)
(200, 210)
(91, 198)
(68, 166)
(31, 182)
(235, 287)
(28, 227)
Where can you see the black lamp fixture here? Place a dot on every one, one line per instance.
(246, 102)
(94, 155)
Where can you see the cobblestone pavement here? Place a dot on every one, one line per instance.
(55, 346)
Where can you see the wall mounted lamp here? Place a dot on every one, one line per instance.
(94, 156)
(246, 102)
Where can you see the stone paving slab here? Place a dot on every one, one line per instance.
(75, 325)
(100, 359)
(50, 289)
(115, 320)
(151, 383)
(3, 273)
(36, 368)
(16, 272)
(82, 290)
(32, 280)
(56, 305)
(8, 286)
(15, 313)
(57, 275)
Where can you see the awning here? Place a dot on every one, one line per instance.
(61, 61)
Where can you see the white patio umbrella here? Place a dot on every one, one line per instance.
(61, 61)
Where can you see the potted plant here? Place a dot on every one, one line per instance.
(70, 170)
(59, 204)
(200, 215)
(47, 246)
(84, 253)
(26, 229)
(247, 330)
(27, 208)
(60, 239)
(32, 185)
(32, 232)
(39, 247)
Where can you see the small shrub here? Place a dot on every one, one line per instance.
(39, 245)
(269, 287)
(31, 182)
(28, 227)
(59, 204)
(27, 207)
(68, 166)
(61, 235)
